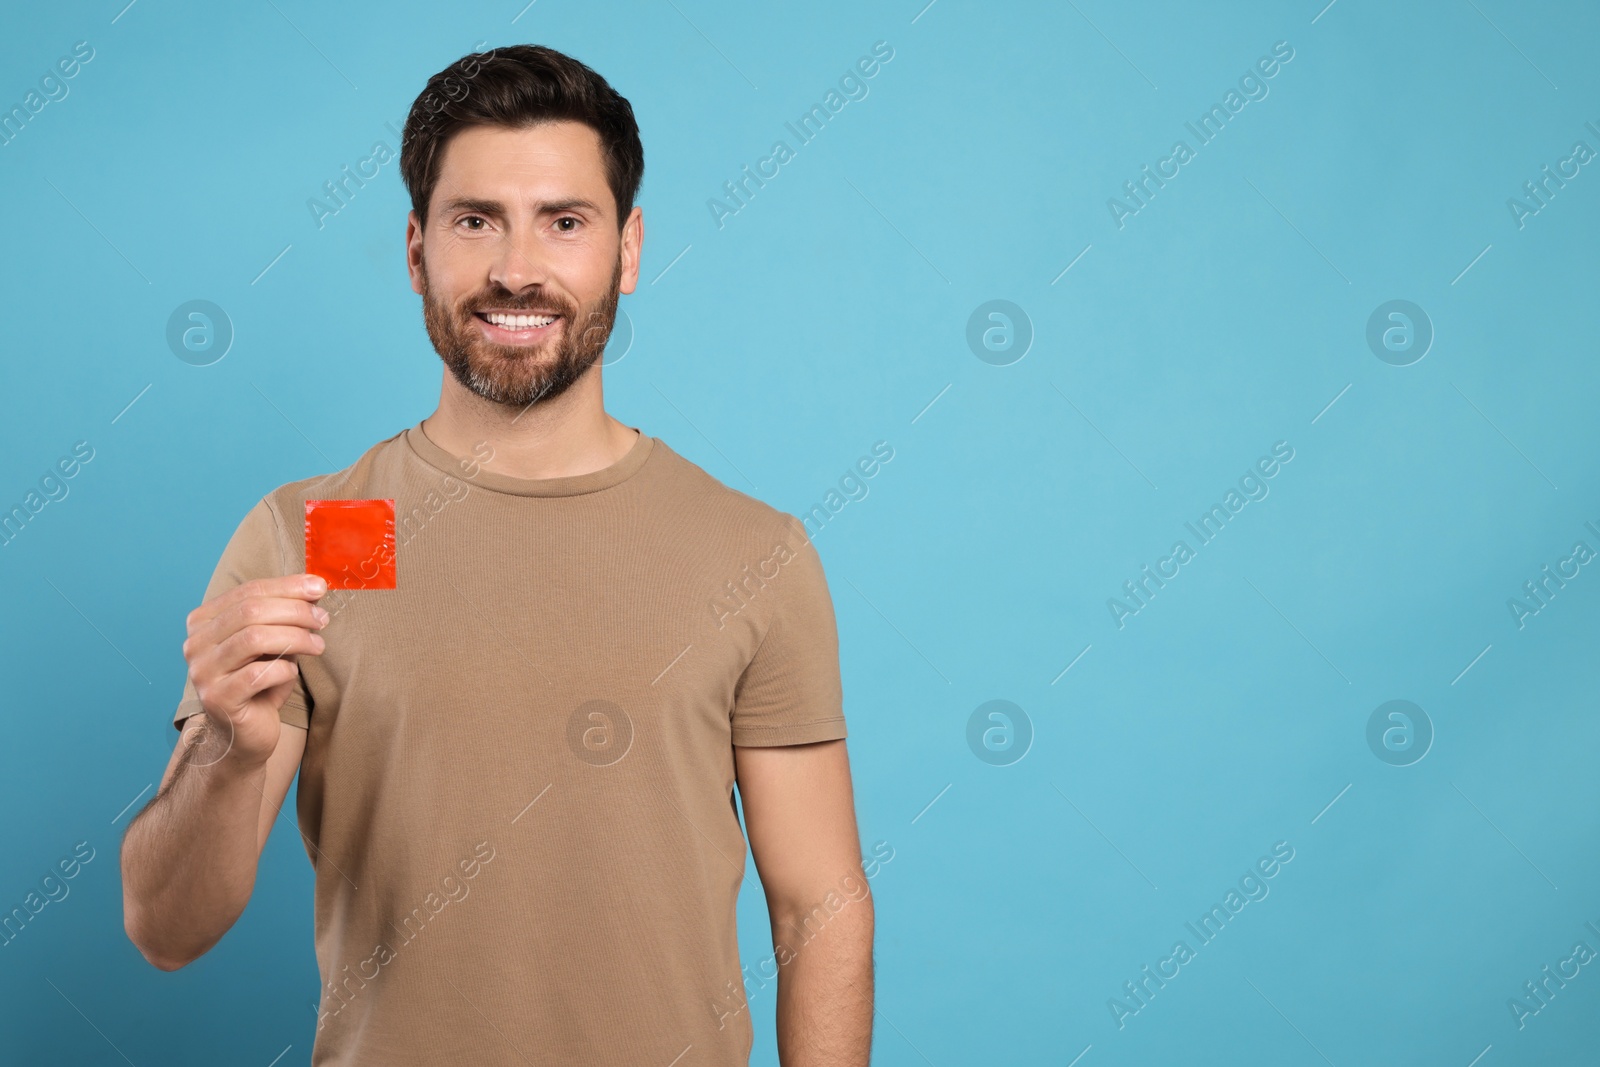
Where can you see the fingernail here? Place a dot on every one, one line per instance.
(317, 585)
(322, 616)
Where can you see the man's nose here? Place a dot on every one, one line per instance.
(519, 262)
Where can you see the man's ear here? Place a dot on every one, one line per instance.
(632, 244)
(414, 251)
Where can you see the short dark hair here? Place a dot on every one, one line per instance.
(513, 87)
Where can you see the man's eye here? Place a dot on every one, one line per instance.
(471, 219)
(566, 218)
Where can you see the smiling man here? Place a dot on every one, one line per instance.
(517, 758)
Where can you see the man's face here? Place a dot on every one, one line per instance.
(520, 264)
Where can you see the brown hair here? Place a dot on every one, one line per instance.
(517, 86)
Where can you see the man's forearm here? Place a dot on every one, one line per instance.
(825, 991)
(189, 859)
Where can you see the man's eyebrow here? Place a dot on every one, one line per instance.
(495, 207)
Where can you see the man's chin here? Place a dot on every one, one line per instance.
(518, 390)
(515, 396)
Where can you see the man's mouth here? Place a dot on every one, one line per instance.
(513, 326)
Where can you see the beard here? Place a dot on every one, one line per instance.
(519, 375)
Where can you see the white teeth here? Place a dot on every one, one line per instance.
(519, 322)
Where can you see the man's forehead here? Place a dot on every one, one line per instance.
(531, 151)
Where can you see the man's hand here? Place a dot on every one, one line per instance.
(240, 650)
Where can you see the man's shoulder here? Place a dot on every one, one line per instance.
(710, 503)
(370, 475)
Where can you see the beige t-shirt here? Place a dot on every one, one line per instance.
(517, 787)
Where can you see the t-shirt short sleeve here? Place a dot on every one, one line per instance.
(256, 550)
(790, 692)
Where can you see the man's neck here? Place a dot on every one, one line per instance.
(568, 436)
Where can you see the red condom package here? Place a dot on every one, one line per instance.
(350, 543)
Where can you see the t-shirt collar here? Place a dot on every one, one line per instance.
(424, 449)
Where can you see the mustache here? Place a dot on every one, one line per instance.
(538, 305)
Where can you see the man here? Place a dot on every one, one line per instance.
(517, 757)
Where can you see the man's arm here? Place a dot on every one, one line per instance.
(189, 858)
(800, 818)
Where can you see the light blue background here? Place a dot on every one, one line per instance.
(828, 314)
